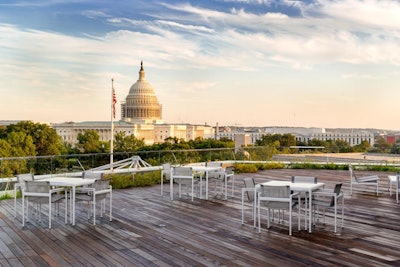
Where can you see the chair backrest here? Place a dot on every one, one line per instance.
(275, 191)
(92, 175)
(183, 171)
(249, 183)
(37, 187)
(213, 164)
(304, 179)
(100, 185)
(166, 170)
(229, 170)
(21, 178)
(336, 190)
(279, 192)
(185, 175)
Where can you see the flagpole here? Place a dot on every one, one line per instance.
(112, 125)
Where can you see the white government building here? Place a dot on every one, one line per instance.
(302, 134)
(141, 115)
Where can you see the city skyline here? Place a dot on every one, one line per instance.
(326, 64)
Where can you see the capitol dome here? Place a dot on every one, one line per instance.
(141, 105)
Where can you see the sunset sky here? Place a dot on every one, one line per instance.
(236, 62)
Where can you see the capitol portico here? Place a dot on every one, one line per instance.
(141, 116)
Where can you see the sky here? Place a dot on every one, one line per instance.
(328, 64)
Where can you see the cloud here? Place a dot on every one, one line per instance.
(92, 14)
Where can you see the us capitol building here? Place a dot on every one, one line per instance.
(141, 115)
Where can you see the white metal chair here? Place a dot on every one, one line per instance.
(304, 195)
(330, 200)
(94, 194)
(223, 177)
(165, 174)
(248, 190)
(371, 180)
(19, 186)
(39, 193)
(183, 176)
(394, 179)
(277, 197)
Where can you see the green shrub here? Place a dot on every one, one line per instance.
(6, 196)
(316, 166)
(269, 166)
(126, 180)
(246, 168)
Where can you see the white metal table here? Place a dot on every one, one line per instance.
(72, 182)
(205, 170)
(297, 187)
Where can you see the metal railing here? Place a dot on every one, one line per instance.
(56, 164)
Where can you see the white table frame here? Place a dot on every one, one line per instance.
(297, 187)
(72, 182)
(206, 170)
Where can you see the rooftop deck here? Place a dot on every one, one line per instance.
(150, 230)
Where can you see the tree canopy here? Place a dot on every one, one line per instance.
(32, 139)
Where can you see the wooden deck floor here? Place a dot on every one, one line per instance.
(150, 230)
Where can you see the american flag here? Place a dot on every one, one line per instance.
(114, 101)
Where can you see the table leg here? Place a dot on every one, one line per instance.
(309, 210)
(255, 205)
(207, 185)
(201, 184)
(73, 205)
(171, 187)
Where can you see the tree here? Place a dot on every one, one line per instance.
(129, 143)
(343, 146)
(381, 146)
(364, 146)
(89, 142)
(5, 149)
(45, 138)
(395, 148)
(288, 140)
(21, 144)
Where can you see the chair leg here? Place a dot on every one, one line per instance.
(351, 187)
(259, 218)
(23, 210)
(242, 207)
(15, 202)
(233, 184)
(377, 188)
(94, 209)
(110, 206)
(290, 219)
(49, 212)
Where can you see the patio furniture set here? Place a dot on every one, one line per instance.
(302, 193)
(89, 188)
